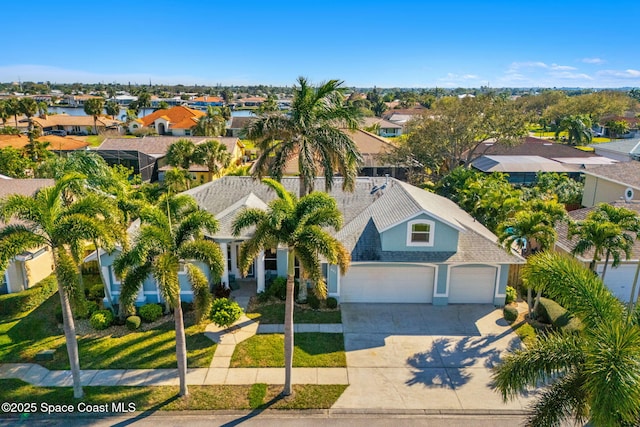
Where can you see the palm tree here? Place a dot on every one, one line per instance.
(43, 109)
(177, 180)
(144, 100)
(93, 107)
(13, 108)
(48, 219)
(211, 124)
(36, 150)
(171, 235)
(181, 153)
(592, 374)
(313, 130)
(4, 112)
(298, 224)
(112, 108)
(607, 229)
(578, 127)
(213, 154)
(29, 107)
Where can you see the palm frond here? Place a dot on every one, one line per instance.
(165, 271)
(560, 401)
(207, 252)
(15, 239)
(201, 295)
(131, 284)
(247, 218)
(194, 224)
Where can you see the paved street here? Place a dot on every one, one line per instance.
(420, 356)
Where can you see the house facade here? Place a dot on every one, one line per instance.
(612, 183)
(30, 267)
(174, 121)
(407, 245)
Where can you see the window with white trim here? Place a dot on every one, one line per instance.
(420, 232)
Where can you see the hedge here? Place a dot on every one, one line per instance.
(22, 302)
(549, 311)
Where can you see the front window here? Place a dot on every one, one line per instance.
(270, 260)
(420, 233)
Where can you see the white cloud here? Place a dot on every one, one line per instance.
(570, 76)
(561, 67)
(596, 61)
(621, 74)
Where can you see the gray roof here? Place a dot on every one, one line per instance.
(567, 244)
(384, 124)
(623, 146)
(517, 164)
(624, 173)
(158, 145)
(25, 187)
(365, 215)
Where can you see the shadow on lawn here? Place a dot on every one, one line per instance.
(255, 412)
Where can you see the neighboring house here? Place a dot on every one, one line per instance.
(75, 125)
(623, 150)
(57, 144)
(632, 126)
(382, 127)
(147, 155)
(611, 183)
(407, 245)
(175, 121)
(30, 267)
(78, 100)
(402, 116)
(524, 160)
(237, 124)
(202, 102)
(619, 279)
(252, 101)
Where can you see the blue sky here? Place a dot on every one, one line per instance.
(561, 43)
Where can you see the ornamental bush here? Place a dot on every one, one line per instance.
(313, 301)
(332, 303)
(512, 294)
(133, 323)
(101, 319)
(150, 312)
(510, 314)
(225, 312)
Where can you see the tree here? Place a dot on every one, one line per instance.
(450, 133)
(313, 130)
(177, 180)
(112, 108)
(12, 107)
(270, 105)
(214, 155)
(592, 374)
(4, 112)
(49, 219)
(378, 108)
(300, 225)
(181, 153)
(227, 95)
(93, 107)
(144, 100)
(172, 233)
(37, 151)
(617, 128)
(607, 229)
(42, 109)
(593, 105)
(578, 127)
(29, 107)
(13, 163)
(211, 124)
(162, 105)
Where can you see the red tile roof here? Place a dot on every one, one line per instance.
(180, 117)
(55, 142)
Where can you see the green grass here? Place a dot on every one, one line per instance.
(310, 350)
(257, 393)
(22, 337)
(274, 313)
(215, 397)
(95, 140)
(525, 331)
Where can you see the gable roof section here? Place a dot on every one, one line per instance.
(156, 146)
(531, 146)
(384, 124)
(180, 117)
(623, 146)
(25, 187)
(56, 143)
(68, 120)
(623, 173)
(513, 164)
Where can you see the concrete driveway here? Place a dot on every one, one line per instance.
(420, 356)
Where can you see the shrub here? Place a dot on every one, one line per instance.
(91, 307)
(58, 314)
(278, 288)
(512, 294)
(101, 319)
(225, 312)
(186, 306)
(263, 297)
(313, 301)
(21, 302)
(150, 312)
(96, 292)
(510, 313)
(549, 311)
(221, 291)
(133, 322)
(332, 303)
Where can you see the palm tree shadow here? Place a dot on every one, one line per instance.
(445, 363)
(147, 413)
(255, 412)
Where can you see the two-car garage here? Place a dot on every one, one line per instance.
(414, 283)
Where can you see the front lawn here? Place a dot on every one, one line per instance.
(214, 397)
(273, 312)
(24, 335)
(311, 350)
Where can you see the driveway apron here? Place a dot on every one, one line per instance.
(420, 356)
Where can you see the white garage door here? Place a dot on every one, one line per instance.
(387, 283)
(473, 285)
(620, 280)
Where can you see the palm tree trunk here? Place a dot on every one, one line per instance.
(288, 324)
(69, 332)
(606, 261)
(538, 296)
(181, 347)
(529, 301)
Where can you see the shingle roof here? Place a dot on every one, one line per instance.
(567, 244)
(384, 124)
(509, 164)
(625, 173)
(622, 146)
(152, 145)
(25, 187)
(531, 146)
(365, 216)
(240, 122)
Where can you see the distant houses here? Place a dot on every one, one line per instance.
(174, 121)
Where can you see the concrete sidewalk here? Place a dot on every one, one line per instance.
(219, 372)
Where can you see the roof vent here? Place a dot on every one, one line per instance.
(628, 194)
